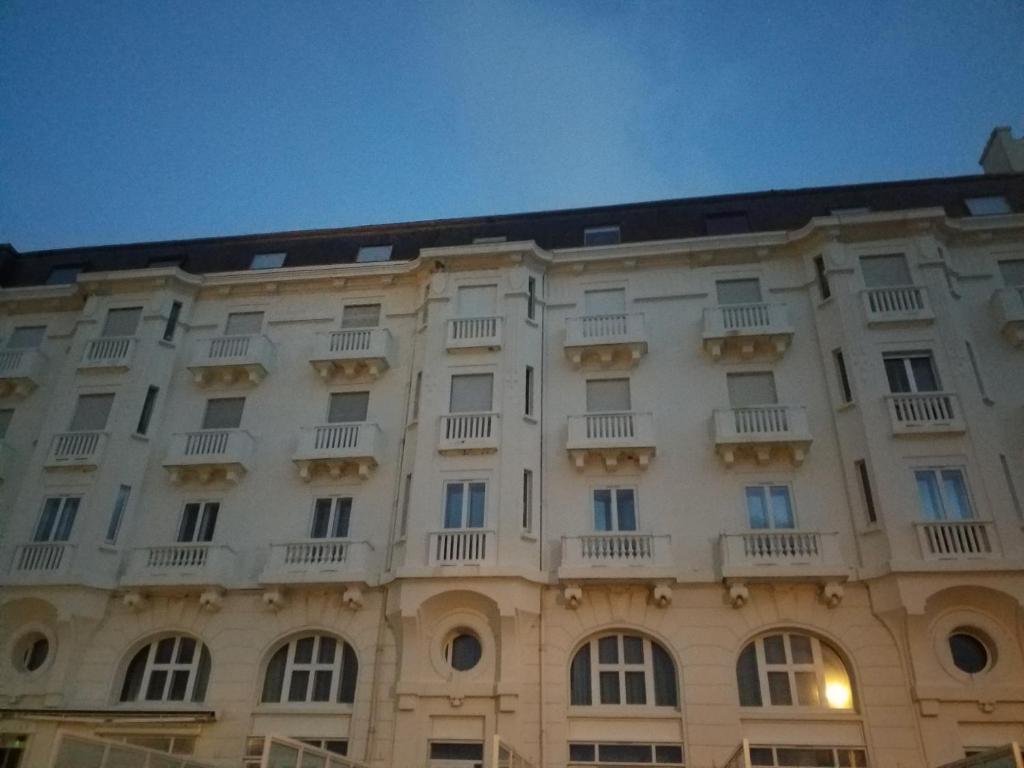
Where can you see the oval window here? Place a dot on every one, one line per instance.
(31, 652)
(970, 654)
(462, 651)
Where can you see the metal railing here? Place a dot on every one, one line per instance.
(461, 546)
(49, 556)
(923, 411)
(954, 540)
(108, 351)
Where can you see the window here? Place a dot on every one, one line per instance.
(174, 744)
(911, 372)
(147, 410)
(943, 494)
(166, 261)
(331, 518)
(609, 235)
(614, 509)
(885, 271)
(865, 488)
(243, 323)
(348, 407)
(788, 669)
(223, 413)
(990, 205)
(623, 669)
(769, 506)
(852, 210)
(172, 321)
(486, 240)
(600, 753)
(528, 501)
(608, 395)
(117, 515)
(311, 668)
(6, 415)
(57, 518)
(462, 650)
(1012, 271)
(465, 504)
(746, 291)
(457, 751)
(417, 392)
(267, 260)
(797, 757)
(403, 524)
(822, 277)
(27, 337)
(528, 407)
(844, 380)
(970, 654)
(976, 369)
(531, 297)
(750, 389)
(63, 275)
(360, 316)
(91, 413)
(30, 653)
(477, 300)
(607, 301)
(173, 668)
(198, 522)
(471, 393)
(369, 253)
(1010, 486)
(730, 223)
(122, 322)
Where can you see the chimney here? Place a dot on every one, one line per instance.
(1003, 153)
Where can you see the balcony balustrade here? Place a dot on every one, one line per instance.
(763, 431)
(611, 438)
(336, 448)
(615, 555)
(462, 546)
(76, 450)
(317, 561)
(469, 433)
(41, 562)
(1008, 309)
(607, 340)
(897, 304)
(21, 371)
(925, 413)
(781, 554)
(352, 352)
(474, 333)
(209, 454)
(747, 329)
(184, 564)
(957, 540)
(231, 359)
(108, 353)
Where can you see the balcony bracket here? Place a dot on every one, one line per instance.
(211, 600)
(335, 469)
(274, 599)
(135, 601)
(352, 598)
(611, 458)
(573, 595)
(661, 595)
(739, 594)
(832, 594)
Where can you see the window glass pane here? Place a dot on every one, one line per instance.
(924, 374)
(465, 652)
(223, 413)
(477, 496)
(838, 688)
(172, 320)
(1012, 271)
(147, 410)
(348, 407)
(807, 694)
(477, 300)
(5, 421)
(370, 253)
(928, 494)
(747, 389)
(186, 650)
(325, 653)
(607, 395)
(778, 689)
(586, 753)
(602, 509)
(608, 649)
(179, 682)
(610, 301)
(757, 513)
(299, 685)
(667, 753)
(157, 682)
(800, 648)
(665, 691)
(782, 507)
(47, 519)
(747, 679)
(202, 675)
(882, 271)
(27, 337)
(609, 688)
(632, 649)
(579, 674)
(360, 316)
(267, 260)
(471, 393)
(349, 674)
(456, 751)
(958, 505)
(322, 685)
(624, 753)
(738, 291)
(626, 503)
(342, 518)
(304, 650)
(189, 519)
(321, 518)
(243, 323)
(774, 649)
(762, 756)
(208, 522)
(66, 521)
(805, 757)
(120, 503)
(164, 651)
(991, 205)
(91, 413)
(896, 373)
(636, 688)
(122, 322)
(601, 235)
(453, 505)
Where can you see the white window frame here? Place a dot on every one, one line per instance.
(464, 512)
(835, 754)
(201, 519)
(332, 517)
(613, 491)
(944, 504)
(312, 667)
(905, 358)
(59, 518)
(765, 488)
(151, 666)
(620, 668)
(791, 668)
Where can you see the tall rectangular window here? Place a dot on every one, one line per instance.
(122, 322)
(844, 380)
(416, 394)
(348, 407)
(608, 235)
(750, 389)
(91, 413)
(885, 271)
(614, 509)
(27, 337)
(57, 518)
(531, 297)
(822, 277)
(198, 521)
(769, 506)
(172, 321)
(403, 524)
(147, 410)
(331, 518)
(976, 369)
(528, 500)
(745, 291)
(223, 413)
(360, 316)
(472, 393)
(865, 489)
(1011, 486)
(117, 514)
(528, 409)
(608, 395)
(605, 301)
(477, 300)
(909, 372)
(465, 504)
(943, 494)
(243, 323)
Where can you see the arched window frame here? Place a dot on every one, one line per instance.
(825, 661)
(286, 668)
(155, 671)
(593, 662)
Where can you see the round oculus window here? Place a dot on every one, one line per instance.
(970, 654)
(462, 651)
(31, 652)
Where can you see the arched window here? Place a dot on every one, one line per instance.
(623, 669)
(790, 669)
(311, 668)
(175, 668)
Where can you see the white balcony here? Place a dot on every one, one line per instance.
(611, 438)
(611, 555)
(231, 359)
(901, 304)
(76, 450)
(352, 353)
(463, 546)
(317, 561)
(781, 554)
(607, 340)
(1008, 309)
(44, 562)
(925, 413)
(209, 454)
(21, 371)
(763, 431)
(469, 433)
(957, 540)
(194, 564)
(108, 353)
(747, 329)
(333, 449)
(474, 333)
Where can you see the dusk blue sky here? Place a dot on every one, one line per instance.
(129, 121)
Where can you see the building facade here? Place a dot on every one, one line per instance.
(637, 485)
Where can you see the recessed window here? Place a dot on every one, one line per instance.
(64, 275)
(369, 253)
(243, 323)
(865, 488)
(729, 223)
(531, 297)
(267, 260)
(6, 414)
(614, 509)
(527, 521)
(117, 514)
(31, 651)
(477, 300)
(91, 413)
(747, 390)
(331, 518)
(172, 321)
(471, 393)
(970, 654)
(608, 396)
(311, 668)
(223, 413)
(604, 301)
(623, 669)
(57, 518)
(198, 522)
(528, 407)
(1012, 271)
(769, 506)
(744, 291)
(122, 322)
(790, 669)
(885, 270)
(609, 235)
(173, 668)
(147, 410)
(348, 407)
(845, 391)
(462, 651)
(910, 372)
(943, 494)
(990, 205)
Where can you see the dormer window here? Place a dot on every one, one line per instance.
(489, 240)
(609, 235)
(63, 275)
(854, 210)
(729, 223)
(267, 260)
(990, 205)
(370, 253)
